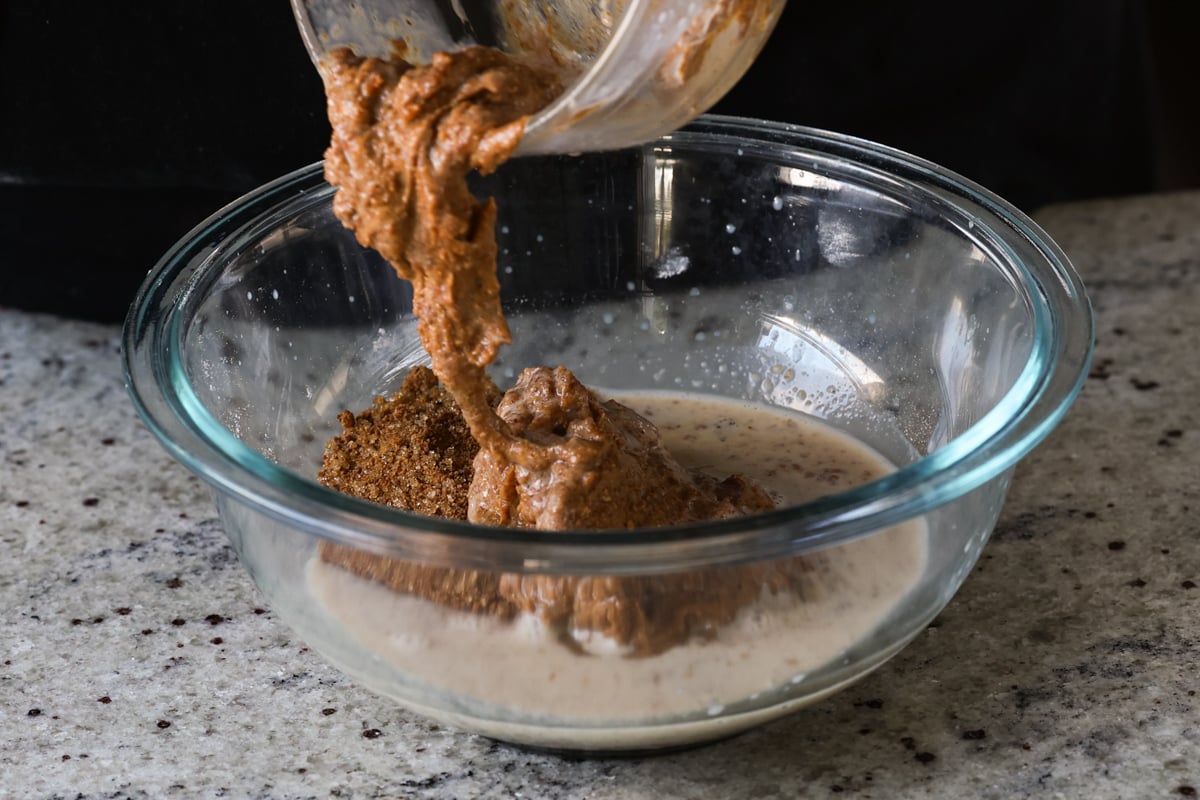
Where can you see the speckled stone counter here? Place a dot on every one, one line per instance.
(138, 660)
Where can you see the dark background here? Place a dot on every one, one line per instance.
(126, 123)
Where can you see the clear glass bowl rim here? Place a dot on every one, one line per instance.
(1052, 377)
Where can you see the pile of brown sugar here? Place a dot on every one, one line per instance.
(411, 451)
(549, 454)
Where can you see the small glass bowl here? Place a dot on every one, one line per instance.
(633, 69)
(875, 292)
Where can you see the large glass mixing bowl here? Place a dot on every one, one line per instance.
(870, 290)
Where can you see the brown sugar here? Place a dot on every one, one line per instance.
(411, 451)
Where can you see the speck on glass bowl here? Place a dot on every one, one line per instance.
(870, 290)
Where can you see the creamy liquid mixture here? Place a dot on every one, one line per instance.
(522, 666)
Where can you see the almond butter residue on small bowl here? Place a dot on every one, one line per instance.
(548, 453)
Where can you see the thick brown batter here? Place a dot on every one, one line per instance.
(551, 455)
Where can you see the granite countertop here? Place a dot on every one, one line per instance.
(138, 660)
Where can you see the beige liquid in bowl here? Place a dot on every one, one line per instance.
(522, 671)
